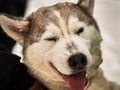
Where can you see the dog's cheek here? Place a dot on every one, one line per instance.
(95, 51)
(42, 70)
(58, 57)
(40, 49)
(44, 46)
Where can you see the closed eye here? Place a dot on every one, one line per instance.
(52, 39)
(80, 31)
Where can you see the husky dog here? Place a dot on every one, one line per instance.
(61, 46)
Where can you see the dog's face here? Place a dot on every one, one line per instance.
(62, 39)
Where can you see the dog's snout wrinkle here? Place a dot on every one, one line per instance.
(71, 47)
(78, 61)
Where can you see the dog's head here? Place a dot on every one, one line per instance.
(59, 41)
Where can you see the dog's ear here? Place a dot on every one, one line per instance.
(88, 5)
(16, 28)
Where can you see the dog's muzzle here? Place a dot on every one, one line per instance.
(77, 81)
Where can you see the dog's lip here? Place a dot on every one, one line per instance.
(55, 69)
(74, 73)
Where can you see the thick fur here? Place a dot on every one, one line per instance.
(51, 35)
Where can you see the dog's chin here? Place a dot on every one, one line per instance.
(75, 81)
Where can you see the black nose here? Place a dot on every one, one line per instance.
(78, 61)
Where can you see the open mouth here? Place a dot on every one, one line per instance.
(76, 81)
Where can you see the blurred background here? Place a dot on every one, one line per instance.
(107, 14)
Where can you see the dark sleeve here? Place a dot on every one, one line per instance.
(13, 74)
(8, 64)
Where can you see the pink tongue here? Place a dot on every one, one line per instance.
(76, 82)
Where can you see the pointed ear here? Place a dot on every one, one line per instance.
(88, 5)
(16, 28)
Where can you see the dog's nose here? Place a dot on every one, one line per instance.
(77, 61)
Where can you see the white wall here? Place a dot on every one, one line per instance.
(107, 13)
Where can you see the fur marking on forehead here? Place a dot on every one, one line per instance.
(41, 18)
